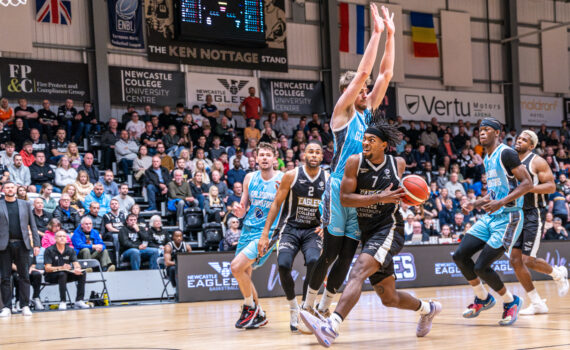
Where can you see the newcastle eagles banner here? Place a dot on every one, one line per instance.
(125, 23)
(36, 80)
(146, 87)
(228, 91)
(292, 96)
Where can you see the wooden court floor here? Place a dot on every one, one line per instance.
(209, 325)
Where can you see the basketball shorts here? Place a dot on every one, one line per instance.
(247, 244)
(384, 243)
(500, 230)
(529, 240)
(339, 221)
(305, 239)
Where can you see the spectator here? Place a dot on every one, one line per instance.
(185, 138)
(64, 174)
(27, 153)
(458, 226)
(417, 235)
(88, 121)
(171, 250)
(214, 206)
(22, 194)
(199, 188)
(6, 112)
(165, 160)
(284, 126)
(236, 174)
(83, 185)
(236, 195)
(38, 145)
(47, 119)
(20, 174)
(446, 237)
(89, 167)
(156, 182)
(110, 187)
(558, 206)
(251, 132)
(73, 155)
(429, 229)
(171, 141)
(446, 151)
(45, 194)
(216, 150)
(71, 190)
(68, 119)
(410, 159)
(548, 223)
(422, 157)
(453, 185)
(7, 155)
(181, 165)
(89, 245)
(150, 138)
(58, 146)
(134, 127)
(447, 213)
(126, 117)
(41, 173)
(125, 201)
(232, 235)
(19, 133)
(408, 226)
(251, 108)
(231, 150)
(556, 232)
(210, 111)
(59, 260)
(134, 245)
(222, 187)
(240, 157)
(180, 194)
(52, 227)
(108, 140)
(41, 217)
(114, 220)
(142, 162)
(268, 134)
(251, 165)
(326, 134)
(461, 138)
(96, 219)
(67, 215)
(126, 152)
(98, 195)
(156, 235)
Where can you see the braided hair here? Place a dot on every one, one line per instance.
(378, 126)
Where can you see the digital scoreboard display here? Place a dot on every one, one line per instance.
(239, 22)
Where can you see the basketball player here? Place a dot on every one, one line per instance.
(259, 189)
(524, 252)
(301, 189)
(370, 185)
(350, 116)
(499, 229)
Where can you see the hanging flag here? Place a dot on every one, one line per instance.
(53, 11)
(423, 35)
(351, 28)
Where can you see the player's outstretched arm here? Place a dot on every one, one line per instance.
(546, 183)
(386, 65)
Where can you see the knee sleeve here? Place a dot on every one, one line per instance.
(285, 260)
(483, 267)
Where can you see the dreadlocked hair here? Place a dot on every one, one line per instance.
(390, 131)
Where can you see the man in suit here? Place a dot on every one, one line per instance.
(18, 235)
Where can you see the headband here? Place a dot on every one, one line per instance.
(492, 123)
(376, 132)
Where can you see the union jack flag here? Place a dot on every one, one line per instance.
(53, 11)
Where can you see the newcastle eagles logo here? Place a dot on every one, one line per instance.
(233, 86)
(223, 269)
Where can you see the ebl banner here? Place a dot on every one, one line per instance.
(125, 23)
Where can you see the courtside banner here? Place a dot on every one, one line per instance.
(146, 86)
(37, 80)
(208, 276)
(538, 110)
(227, 91)
(449, 106)
(292, 96)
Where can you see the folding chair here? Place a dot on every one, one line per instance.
(165, 280)
(47, 302)
(95, 265)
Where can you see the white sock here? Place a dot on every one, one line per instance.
(534, 297)
(425, 308)
(249, 301)
(326, 300)
(311, 297)
(293, 304)
(508, 297)
(480, 291)
(555, 274)
(336, 321)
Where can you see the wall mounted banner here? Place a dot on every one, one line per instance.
(292, 96)
(538, 110)
(37, 80)
(227, 90)
(449, 106)
(125, 23)
(146, 87)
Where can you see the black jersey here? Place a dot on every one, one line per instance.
(374, 179)
(533, 200)
(175, 250)
(301, 207)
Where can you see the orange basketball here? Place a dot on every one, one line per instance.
(416, 188)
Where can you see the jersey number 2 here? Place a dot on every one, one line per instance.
(311, 190)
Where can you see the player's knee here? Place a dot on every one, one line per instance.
(480, 270)
(236, 267)
(389, 299)
(284, 262)
(529, 261)
(516, 261)
(358, 272)
(458, 257)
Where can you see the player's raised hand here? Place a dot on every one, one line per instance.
(239, 210)
(389, 196)
(388, 21)
(378, 22)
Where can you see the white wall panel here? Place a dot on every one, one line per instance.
(77, 33)
(529, 65)
(495, 9)
(115, 59)
(480, 60)
(562, 11)
(303, 45)
(349, 61)
(496, 62)
(420, 65)
(311, 11)
(49, 55)
(532, 11)
(422, 84)
(531, 39)
(479, 30)
(431, 6)
(293, 74)
(476, 8)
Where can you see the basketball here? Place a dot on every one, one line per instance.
(417, 190)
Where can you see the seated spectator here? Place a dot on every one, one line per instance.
(22, 194)
(136, 211)
(83, 185)
(27, 153)
(232, 234)
(180, 195)
(557, 232)
(216, 150)
(171, 250)
(251, 131)
(417, 235)
(45, 194)
(58, 146)
(125, 201)
(558, 206)
(126, 150)
(47, 119)
(20, 174)
(156, 180)
(251, 148)
(135, 127)
(113, 221)
(141, 163)
(36, 283)
(447, 213)
(89, 245)
(150, 138)
(446, 236)
(73, 155)
(6, 112)
(548, 223)
(41, 217)
(408, 226)
(61, 267)
(96, 219)
(7, 155)
(64, 174)
(214, 206)
(454, 185)
(181, 165)
(198, 188)
(89, 167)
(442, 179)
(189, 164)
(408, 156)
(236, 173)
(223, 191)
(243, 160)
(156, 235)
(110, 187)
(48, 238)
(165, 160)
(268, 134)
(429, 229)
(98, 195)
(41, 173)
(71, 190)
(422, 157)
(236, 195)
(236, 142)
(458, 226)
(134, 245)
(171, 141)
(67, 216)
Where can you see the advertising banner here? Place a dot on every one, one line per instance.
(449, 106)
(292, 96)
(125, 23)
(538, 110)
(37, 80)
(146, 87)
(227, 91)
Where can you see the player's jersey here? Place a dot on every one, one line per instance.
(372, 179)
(301, 207)
(261, 195)
(176, 250)
(500, 180)
(533, 200)
(348, 141)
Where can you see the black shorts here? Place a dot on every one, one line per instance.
(383, 244)
(529, 239)
(305, 239)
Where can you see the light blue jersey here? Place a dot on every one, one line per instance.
(348, 141)
(500, 181)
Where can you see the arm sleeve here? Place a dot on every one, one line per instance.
(510, 159)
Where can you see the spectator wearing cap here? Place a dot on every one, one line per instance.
(557, 232)
(240, 157)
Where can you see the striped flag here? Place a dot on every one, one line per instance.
(351, 28)
(423, 35)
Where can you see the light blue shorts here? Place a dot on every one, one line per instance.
(500, 230)
(338, 220)
(249, 248)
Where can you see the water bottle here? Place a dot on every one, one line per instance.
(106, 299)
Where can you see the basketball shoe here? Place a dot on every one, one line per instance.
(535, 308)
(301, 327)
(424, 324)
(247, 316)
(473, 310)
(562, 283)
(294, 319)
(511, 311)
(259, 320)
(321, 328)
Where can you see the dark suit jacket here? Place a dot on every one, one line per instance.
(151, 178)
(27, 224)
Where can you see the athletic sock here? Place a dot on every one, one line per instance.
(336, 320)
(326, 301)
(424, 308)
(293, 304)
(311, 297)
(555, 274)
(480, 291)
(249, 301)
(534, 297)
(508, 297)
